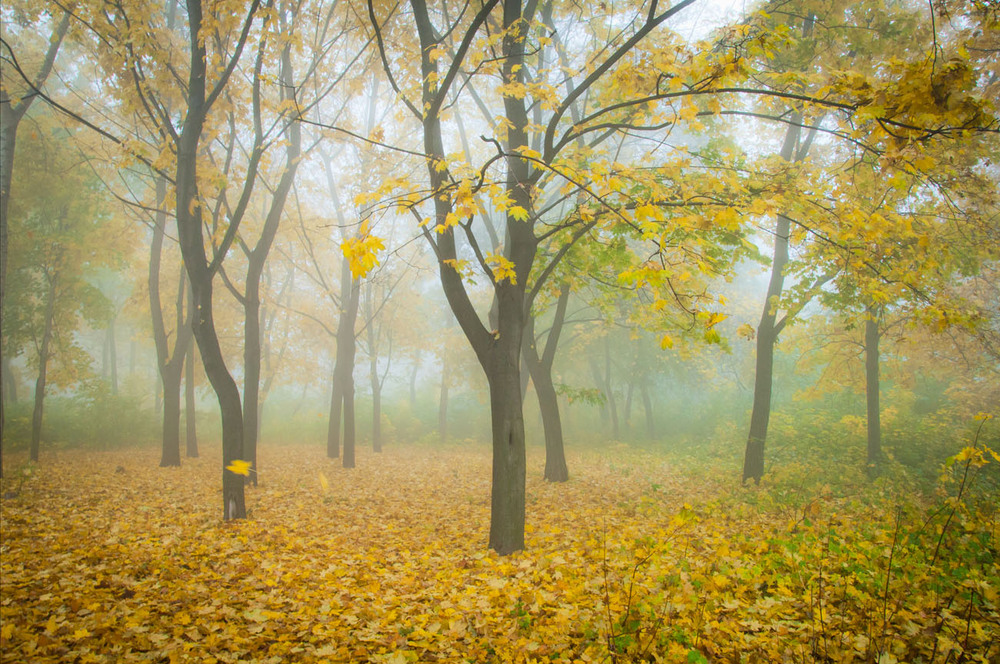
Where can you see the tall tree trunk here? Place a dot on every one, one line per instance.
(343, 372)
(507, 502)
(336, 407)
(255, 268)
(171, 448)
(540, 368)
(201, 272)
(872, 336)
(190, 407)
(43, 362)
(10, 119)
(768, 331)
(170, 365)
(350, 427)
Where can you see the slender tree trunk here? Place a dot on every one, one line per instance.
(556, 469)
(171, 450)
(201, 272)
(170, 366)
(43, 362)
(350, 428)
(767, 334)
(540, 368)
(255, 268)
(190, 407)
(336, 406)
(10, 119)
(872, 386)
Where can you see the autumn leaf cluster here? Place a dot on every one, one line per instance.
(106, 558)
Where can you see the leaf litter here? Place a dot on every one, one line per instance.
(107, 558)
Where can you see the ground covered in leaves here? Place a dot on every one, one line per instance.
(108, 558)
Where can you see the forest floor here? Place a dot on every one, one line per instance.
(108, 558)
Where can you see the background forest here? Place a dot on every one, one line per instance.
(744, 255)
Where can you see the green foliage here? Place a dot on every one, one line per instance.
(91, 418)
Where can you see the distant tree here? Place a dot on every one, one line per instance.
(62, 234)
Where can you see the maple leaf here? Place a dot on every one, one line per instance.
(240, 467)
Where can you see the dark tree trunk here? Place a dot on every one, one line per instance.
(190, 407)
(507, 503)
(767, 333)
(872, 336)
(333, 423)
(540, 368)
(10, 119)
(171, 449)
(255, 267)
(342, 397)
(43, 362)
(190, 224)
(170, 365)
(350, 428)
(498, 350)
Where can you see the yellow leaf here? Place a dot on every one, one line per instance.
(239, 467)
(7, 631)
(323, 482)
(518, 212)
(666, 342)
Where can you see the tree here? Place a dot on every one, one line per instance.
(15, 100)
(63, 234)
(498, 349)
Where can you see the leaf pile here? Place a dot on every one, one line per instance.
(107, 558)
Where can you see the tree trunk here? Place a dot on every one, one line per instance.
(255, 267)
(336, 406)
(540, 368)
(43, 361)
(872, 385)
(171, 450)
(767, 333)
(548, 403)
(201, 272)
(190, 407)
(350, 428)
(10, 119)
(507, 503)
(170, 366)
